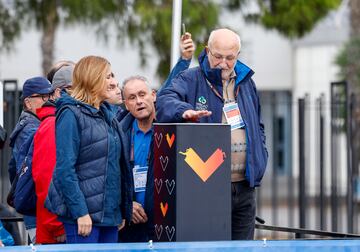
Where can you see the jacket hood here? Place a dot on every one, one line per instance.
(25, 118)
(48, 109)
(214, 74)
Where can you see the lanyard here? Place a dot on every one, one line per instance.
(217, 93)
(132, 151)
(214, 90)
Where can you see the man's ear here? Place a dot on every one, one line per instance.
(27, 104)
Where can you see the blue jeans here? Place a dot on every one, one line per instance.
(30, 221)
(243, 211)
(97, 235)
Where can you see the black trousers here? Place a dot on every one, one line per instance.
(243, 211)
(137, 233)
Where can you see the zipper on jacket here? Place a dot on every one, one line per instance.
(106, 168)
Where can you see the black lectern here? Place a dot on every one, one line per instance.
(192, 184)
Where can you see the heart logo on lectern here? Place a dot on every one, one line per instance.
(158, 185)
(164, 162)
(204, 169)
(169, 140)
(158, 231)
(170, 185)
(158, 139)
(170, 232)
(164, 208)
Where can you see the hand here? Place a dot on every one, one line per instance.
(84, 225)
(139, 215)
(61, 238)
(122, 225)
(1, 244)
(187, 46)
(193, 115)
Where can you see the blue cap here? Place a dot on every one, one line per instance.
(36, 85)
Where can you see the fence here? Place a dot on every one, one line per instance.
(318, 188)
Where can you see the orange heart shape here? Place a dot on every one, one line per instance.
(204, 169)
(164, 208)
(170, 140)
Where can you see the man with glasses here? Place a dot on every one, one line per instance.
(221, 90)
(36, 91)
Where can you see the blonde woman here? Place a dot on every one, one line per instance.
(86, 184)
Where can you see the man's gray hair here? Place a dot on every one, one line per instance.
(212, 34)
(136, 77)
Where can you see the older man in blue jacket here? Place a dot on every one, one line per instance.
(36, 91)
(220, 90)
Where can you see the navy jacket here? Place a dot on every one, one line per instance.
(128, 180)
(181, 65)
(86, 179)
(20, 141)
(190, 90)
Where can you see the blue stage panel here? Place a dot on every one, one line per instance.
(221, 246)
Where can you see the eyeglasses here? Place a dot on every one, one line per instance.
(221, 57)
(44, 97)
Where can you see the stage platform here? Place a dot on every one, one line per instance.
(221, 246)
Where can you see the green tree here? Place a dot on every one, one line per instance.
(147, 23)
(348, 58)
(150, 22)
(46, 16)
(348, 61)
(150, 26)
(292, 18)
(10, 27)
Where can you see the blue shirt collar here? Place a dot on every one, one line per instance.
(137, 129)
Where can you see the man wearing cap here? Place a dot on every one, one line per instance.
(36, 91)
(48, 229)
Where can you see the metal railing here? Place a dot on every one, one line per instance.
(298, 232)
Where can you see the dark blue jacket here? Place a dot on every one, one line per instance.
(190, 90)
(86, 179)
(20, 141)
(128, 180)
(121, 112)
(181, 65)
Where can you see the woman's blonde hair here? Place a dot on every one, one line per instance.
(89, 79)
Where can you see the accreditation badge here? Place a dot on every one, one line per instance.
(233, 116)
(140, 178)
